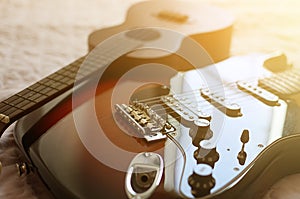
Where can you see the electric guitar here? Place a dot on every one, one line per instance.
(133, 126)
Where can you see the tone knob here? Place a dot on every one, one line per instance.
(200, 131)
(207, 156)
(201, 181)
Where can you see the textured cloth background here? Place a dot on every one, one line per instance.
(38, 37)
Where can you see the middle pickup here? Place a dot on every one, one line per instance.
(180, 107)
(229, 108)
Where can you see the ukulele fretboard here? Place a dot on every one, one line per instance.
(40, 92)
(61, 81)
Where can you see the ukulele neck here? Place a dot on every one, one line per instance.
(45, 90)
(38, 94)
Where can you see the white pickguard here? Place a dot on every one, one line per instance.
(265, 123)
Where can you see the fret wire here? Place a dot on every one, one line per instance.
(34, 97)
(61, 86)
(11, 110)
(281, 84)
(51, 92)
(60, 81)
(67, 73)
(33, 86)
(55, 76)
(23, 92)
(292, 80)
(46, 90)
(16, 101)
(273, 86)
(11, 99)
(24, 103)
(27, 106)
(285, 83)
(12, 113)
(40, 88)
(15, 113)
(30, 95)
(47, 82)
(39, 91)
(41, 98)
(4, 107)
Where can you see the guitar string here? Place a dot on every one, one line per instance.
(203, 110)
(220, 86)
(232, 97)
(227, 86)
(144, 35)
(176, 118)
(192, 92)
(207, 105)
(12, 108)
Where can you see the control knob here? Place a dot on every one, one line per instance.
(201, 181)
(206, 156)
(200, 131)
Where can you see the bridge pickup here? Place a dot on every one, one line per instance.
(145, 121)
(229, 108)
(181, 109)
(259, 93)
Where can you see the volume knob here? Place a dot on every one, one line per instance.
(207, 156)
(200, 131)
(201, 181)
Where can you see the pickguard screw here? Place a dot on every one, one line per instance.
(260, 145)
(236, 169)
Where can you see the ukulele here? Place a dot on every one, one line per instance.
(207, 132)
(187, 19)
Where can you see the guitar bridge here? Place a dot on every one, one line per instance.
(145, 121)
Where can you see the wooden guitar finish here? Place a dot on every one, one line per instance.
(221, 130)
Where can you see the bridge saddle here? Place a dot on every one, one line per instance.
(145, 121)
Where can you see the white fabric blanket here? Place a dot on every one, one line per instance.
(39, 37)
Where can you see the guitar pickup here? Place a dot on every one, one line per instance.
(259, 93)
(181, 109)
(145, 121)
(229, 108)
